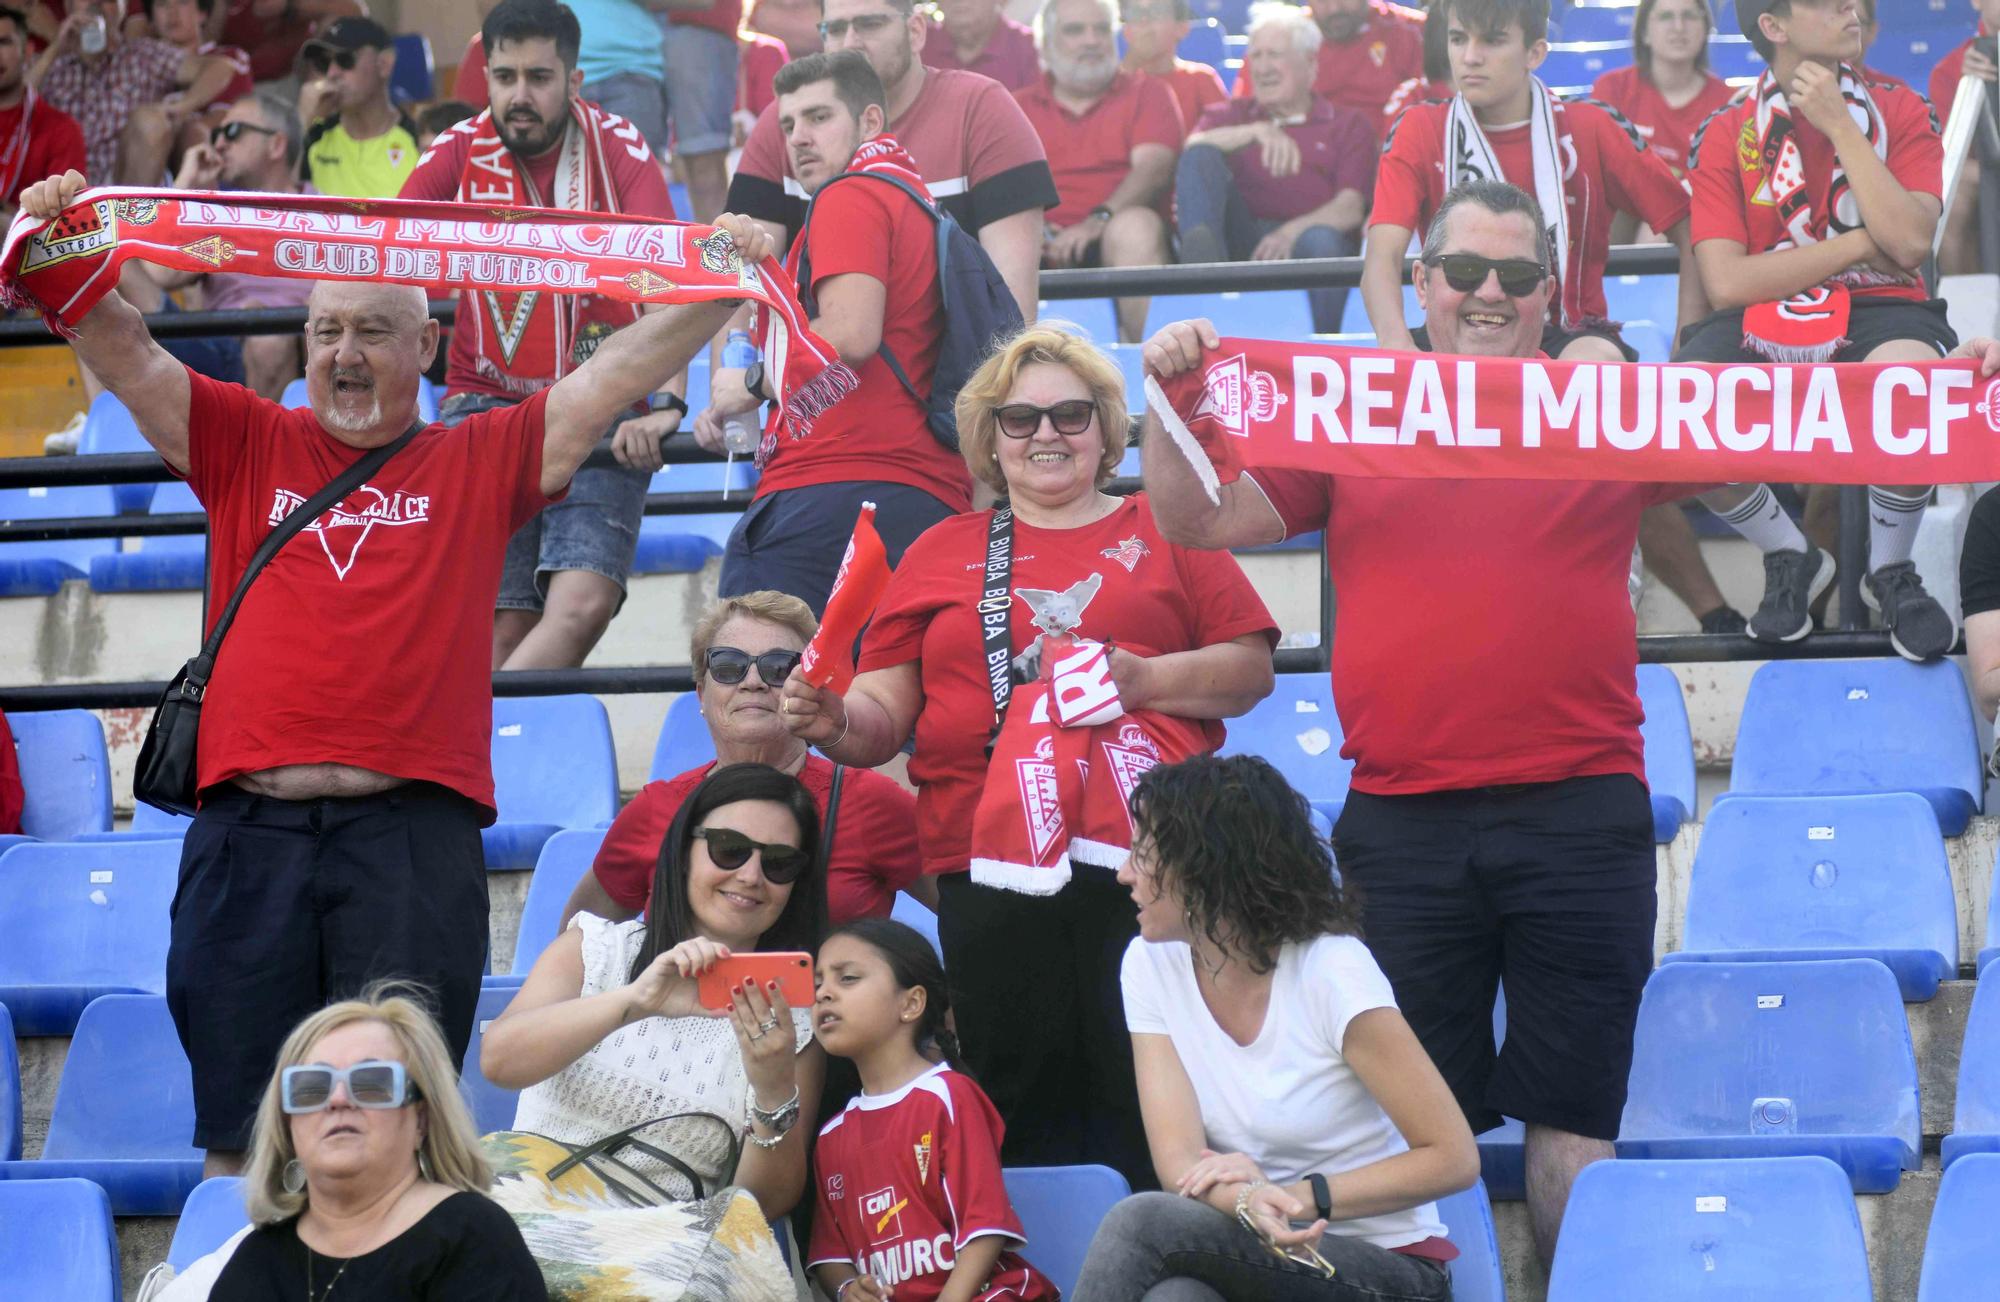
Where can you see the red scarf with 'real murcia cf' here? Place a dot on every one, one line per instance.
(62, 267)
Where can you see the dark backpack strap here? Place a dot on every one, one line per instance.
(931, 210)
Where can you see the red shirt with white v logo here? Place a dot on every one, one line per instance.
(368, 638)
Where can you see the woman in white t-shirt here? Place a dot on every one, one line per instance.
(1298, 1126)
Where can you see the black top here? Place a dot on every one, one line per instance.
(1979, 563)
(465, 1249)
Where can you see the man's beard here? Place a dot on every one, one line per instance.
(1081, 76)
(347, 422)
(531, 138)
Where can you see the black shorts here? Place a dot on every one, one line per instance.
(792, 540)
(285, 906)
(1547, 887)
(1554, 338)
(1871, 322)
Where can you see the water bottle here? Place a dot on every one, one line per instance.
(739, 433)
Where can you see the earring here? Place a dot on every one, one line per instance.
(294, 1177)
(424, 1167)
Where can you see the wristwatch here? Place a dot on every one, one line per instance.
(1322, 1196)
(1102, 212)
(753, 380)
(668, 402)
(779, 1119)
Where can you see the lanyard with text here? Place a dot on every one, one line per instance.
(996, 603)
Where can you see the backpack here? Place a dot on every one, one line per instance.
(979, 309)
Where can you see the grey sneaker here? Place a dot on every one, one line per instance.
(1920, 628)
(1793, 580)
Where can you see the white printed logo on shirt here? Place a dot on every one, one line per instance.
(343, 528)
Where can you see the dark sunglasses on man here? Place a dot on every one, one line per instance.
(1466, 272)
(729, 849)
(234, 131)
(729, 666)
(318, 59)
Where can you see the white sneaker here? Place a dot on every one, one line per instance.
(63, 442)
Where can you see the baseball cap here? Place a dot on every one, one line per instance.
(352, 34)
(1747, 13)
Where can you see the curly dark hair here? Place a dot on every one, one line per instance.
(1236, 844)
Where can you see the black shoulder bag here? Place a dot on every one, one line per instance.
(165, 777)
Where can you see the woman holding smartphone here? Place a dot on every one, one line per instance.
(608, 1031)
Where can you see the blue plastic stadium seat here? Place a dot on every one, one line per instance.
(1991, 949)
(124, 1110)
(1131, 364)
(1205, 42)
(1642, 298)
(1958, 1253)
(39, 569)
(1468, 1223)
(564, 859)
(10, 1090)
(1776, 1060)
(57, 1241)
(1976, 1117)
(66, 773)
(682, 544)
(1852, 727)
(1669, 749)
(1800, 877)
(1296, 729)
(553, 767)
(1059, 1208)
(492, 1107)
(108, 427)
(1095, 317)
(1575, 65)
(1354, 316)
(214, 1211)
(168, 563)
(295, 394)
(148, 824)
(1596, 23)
(1273, 314)
(411, 81)
(1775, 1229)
(1733, 58)
(918, 918)
(660, 552)
(82, 920)
(684, 741)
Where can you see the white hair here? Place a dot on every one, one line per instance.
(1295, 19)
(1044, 16)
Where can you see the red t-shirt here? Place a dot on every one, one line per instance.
(54, 146)
(479, 360)
(1612, 172)
(1467, 688)
(906, 1180)
(1195, 87)
(273, 43)
(758, 59)
(240, 82)
(1009, 56)
(878, 432)
(13, 797)
(874, 839)
(974, 149)
(1665, 129)
(1092, 151)
(1417, 90)
(1156, 598)
(1728, 144)
(1364, 72)
(368, 638)
(1336, 153)
(725, 16)
(1945, 77)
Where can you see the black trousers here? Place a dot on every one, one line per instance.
(285, 906)
(1041, 1018)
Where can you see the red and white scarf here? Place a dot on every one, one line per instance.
(62, 267)
(15, 156)
(1059, 782)
(1810, 326)
(510, 327)
(1469, 155)
(1354, 411)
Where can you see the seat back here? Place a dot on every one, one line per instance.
(492, 1106)
(126, 1088)
(1778, 877)
(1271, 314)
(553, 761)
(918, 919)
(1596, 23)
(1468, 1222)
(684, 741)
(412, 80)
(1574, 65)
(1059, 1208)
(1958, 1252)
(564, 859)
(1976, 1118)
(108, 427)
(158, 822)
(1669, 747)
(212, 1213)
(66, 771)
(1853, 727)
(1296, 729)
(85, 918)
(1205, 42)
(1750, 1059)
(57, 1241)
(1777, 1229)
(61, 501)
(10, 1090)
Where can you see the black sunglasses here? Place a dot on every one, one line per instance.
(1466, 272)
(235, 130)
(728, 666)
(319, 60)
(729, 849)
(867, 25)
(1020, 420)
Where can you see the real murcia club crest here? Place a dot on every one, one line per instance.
(512, 328)
(646, 283)
(140, 212)
(1130, 757)
(1234, 396)
(214, 250)
(1041, 804)
(1989, 406)
(718, 253)
(78, 233)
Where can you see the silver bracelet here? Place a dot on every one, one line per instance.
(778, 1116)
(845, 723)
(841, 1292)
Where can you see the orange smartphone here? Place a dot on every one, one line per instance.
(792, 971)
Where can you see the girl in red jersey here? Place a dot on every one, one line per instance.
(911, 1201)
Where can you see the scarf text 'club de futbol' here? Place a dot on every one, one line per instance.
(1354, 411)
(63, 267)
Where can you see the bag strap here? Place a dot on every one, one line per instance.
(608, 1146)
(826, 826)
(931, 210)
(996, 616)
(283, 532)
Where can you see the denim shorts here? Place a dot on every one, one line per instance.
(595, 528)
(639, 99)
(701, 80)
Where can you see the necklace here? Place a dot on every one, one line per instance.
(321, 1297)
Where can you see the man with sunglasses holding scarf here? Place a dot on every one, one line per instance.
(368, 146)
(1498, 823)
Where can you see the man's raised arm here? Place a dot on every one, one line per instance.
(113, 342)
(1181, 507)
